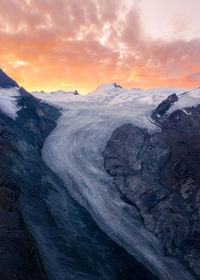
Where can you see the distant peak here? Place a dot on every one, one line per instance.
(118, 86)
(6, 81)
(108, 86)
(76, 92)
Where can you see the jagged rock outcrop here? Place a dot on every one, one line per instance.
(76, 92)
(117, 86)
(159, 174)
(159, 114)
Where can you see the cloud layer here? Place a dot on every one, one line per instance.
(68, 44)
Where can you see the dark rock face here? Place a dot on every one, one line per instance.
(40, 119)
(164, 106)
(117, 86)
(76, 92)
(6, 82)
(19, 255)
(159, 174)
(20, 161)
(160, 112)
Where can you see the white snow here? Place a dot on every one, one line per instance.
(55, 96)
(74, 151)
(8, 102)
(186, 112)
(105, 87)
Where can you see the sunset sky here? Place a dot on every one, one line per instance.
(79, 44)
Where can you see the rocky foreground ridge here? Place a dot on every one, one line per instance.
(20, 162)
(159, 175)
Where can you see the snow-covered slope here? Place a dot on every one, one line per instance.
(74, 152)
(8, 101)
(133, 105)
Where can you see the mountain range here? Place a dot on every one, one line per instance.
(102, 186)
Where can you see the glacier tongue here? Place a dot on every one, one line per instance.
(74, 151)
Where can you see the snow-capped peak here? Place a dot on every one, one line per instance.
(6, 81)
(104, 87)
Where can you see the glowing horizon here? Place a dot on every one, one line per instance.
(60, 45)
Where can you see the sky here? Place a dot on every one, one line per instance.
(80, 44)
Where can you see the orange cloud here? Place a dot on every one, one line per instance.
(57, 44)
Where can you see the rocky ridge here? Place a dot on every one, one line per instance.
(159, 175)
(20, 145)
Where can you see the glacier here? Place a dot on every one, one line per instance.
(74, 152)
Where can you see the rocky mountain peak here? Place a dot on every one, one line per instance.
(76, 92)
(6, 81)
(110, 86)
